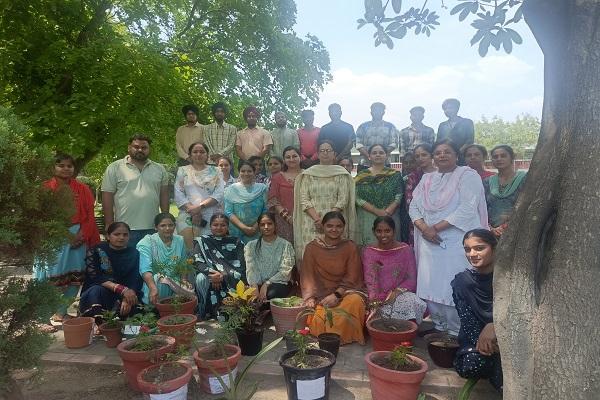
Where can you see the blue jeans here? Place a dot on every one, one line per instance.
(136, 235)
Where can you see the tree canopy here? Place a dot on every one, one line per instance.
(86, 74)
(521, 134)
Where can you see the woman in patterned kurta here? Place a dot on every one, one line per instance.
(198, 192)
(379, 192)
(245, 201)
(318, 190)
(472, 290)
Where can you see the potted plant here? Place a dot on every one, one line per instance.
(165, 380)
(396, 374)
(144, 321)
(180, 326)
(387, 332)
(185, 300)
(329, 341)
(111, 328)
(442, 348)
(307, 371)
(245, 315)
(285, 311)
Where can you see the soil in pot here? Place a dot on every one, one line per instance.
(113, 334)
(385, 362)
(78, 332)
(442, 349)
(180, 326)
(387, 333)
(211, 356)
(184, 305)
(330, 342)
(308, 383)
(142, 352)
(250, 342)
(391, 384)
(167, 380)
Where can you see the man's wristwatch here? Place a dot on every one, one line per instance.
(337, 294)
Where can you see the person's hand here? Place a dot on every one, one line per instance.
(431, 235)
(487, 344)
(197, 219)
(262, 293)
(311, 303)
(125, 308)
(330, 301)
(77, 240)
(318, 225)
(498, 231)
(379, 212)
(215, 157)
(249, 230)
(215, 278)
(153, 295)
(130, 296)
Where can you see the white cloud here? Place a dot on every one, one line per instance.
(484, 88)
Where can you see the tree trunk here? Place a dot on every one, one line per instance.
(547, 277)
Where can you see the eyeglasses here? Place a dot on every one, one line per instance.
(326, 151)
(143, 148)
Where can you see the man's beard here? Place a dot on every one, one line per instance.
(139, 156)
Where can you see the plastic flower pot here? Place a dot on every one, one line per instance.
(168, 380)
(207, 358)
(385, 337)
(165, 307)
(442, 349)
(250, 342)
(389, 384)
(78, 332)
(135, 361)
(180, 326)
(113, 335)
(284, 318)
(329, 342)
(308, 383)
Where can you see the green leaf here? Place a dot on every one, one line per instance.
(507, 43)
(477, 37)
(398, 33)
(514, 35)
(459, 7)
(463, 14)
(397, 6)
(484, 45)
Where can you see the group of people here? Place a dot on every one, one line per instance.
(418, 242)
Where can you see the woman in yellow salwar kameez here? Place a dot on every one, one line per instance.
(331, 276)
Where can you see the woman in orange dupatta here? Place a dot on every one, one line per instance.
(67, 270)
(332, 276)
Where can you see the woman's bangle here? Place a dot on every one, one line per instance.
(119, 289)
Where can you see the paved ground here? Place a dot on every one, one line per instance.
(94, 372)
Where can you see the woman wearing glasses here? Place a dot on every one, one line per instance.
(319, 189)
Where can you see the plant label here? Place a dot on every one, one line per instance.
(178, 394)
(133, 330)
(311, 390)
(215, 385)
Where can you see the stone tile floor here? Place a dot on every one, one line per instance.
(351, 380)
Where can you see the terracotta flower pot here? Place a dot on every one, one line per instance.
(135, 361)
(78, 332)
(386, 340)
(177, 376)
(208, 381)
(284, 318)
(442, 349)
(113, 335)
(165, 307)
(388, 384)
(183, 332)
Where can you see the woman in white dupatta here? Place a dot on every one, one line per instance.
(319, 189)
(446, 204)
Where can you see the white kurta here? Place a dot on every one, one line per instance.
(438, 264)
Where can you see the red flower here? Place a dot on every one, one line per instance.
(144, 328)
(406, 343)
(304, 331)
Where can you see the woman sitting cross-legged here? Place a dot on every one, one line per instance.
(390, 273)
(331, 276)
(220, 265)
(112, 279)
(160, 254)
(478, 356)
(269, 261)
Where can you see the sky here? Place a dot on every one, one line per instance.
(419, 70)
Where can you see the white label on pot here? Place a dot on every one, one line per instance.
(215, 385)
(311, 390)
(131, 329)
(92, 333)
(179, 394)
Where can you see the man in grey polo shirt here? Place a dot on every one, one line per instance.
(133, 188)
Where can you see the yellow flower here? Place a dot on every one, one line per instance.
(241, 292)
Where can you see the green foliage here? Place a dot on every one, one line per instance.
(293, 301)
(87, 74)
(34, 220)
(491, 21)
(110, 318)
(327, 318)
(399, 357)
(521, 135)
(465, 391)
(23, 304)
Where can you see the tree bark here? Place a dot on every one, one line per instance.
(548, 268)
